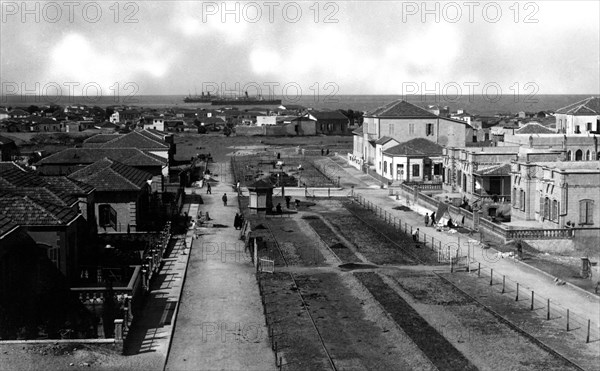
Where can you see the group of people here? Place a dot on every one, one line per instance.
(429, 219)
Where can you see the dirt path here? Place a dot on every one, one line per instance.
(220, 324)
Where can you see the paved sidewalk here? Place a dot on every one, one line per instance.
(149, 337)
(220, 324)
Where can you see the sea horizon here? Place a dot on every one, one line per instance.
(475, 104)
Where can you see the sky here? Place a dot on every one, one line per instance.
(302, 47)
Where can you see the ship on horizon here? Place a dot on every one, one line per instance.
(220, 100)
(198, 98)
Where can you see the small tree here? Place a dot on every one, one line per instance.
(227, 131)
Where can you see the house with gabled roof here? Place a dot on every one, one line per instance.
(416, 160)
(33, 292)
(72, 159)
(534, 128)
(404, 121)
(58, 230)
(122, 194)
(151, 141)
(582, 117)
(328, 122)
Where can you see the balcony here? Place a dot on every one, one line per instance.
(487, 198)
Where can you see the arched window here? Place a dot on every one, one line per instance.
(588, 155)
(579, 155)
(569, 156)
(546, 208)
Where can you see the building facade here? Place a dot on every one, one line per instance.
(557, 194)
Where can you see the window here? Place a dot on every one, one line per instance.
(522, 199)
(415, 170)
(437, 169)
(411, 128)
(379, 165)
(108, 216)
(546, 209)
(588, 155)
(384, 167)
(486, 136)
(554, 215)
(577, 131)
(54, 256)
(586, 212)
(569, 156)
(475, 138)
(514, 197)
(578, 155)
(428, 129)
(589, 126)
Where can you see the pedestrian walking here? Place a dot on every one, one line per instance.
(415, 235)
(208, 189)
(426, 220)
(236, 221)
(433, 219)
(287, 201)
(224, 198)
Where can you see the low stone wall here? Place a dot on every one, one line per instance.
(250, 130)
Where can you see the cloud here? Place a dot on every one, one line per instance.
(76, 58)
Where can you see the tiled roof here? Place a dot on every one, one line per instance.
(6, 225)
(83, 156)
(261, 183)
(587, 107)
(135, 140)
(111, 176)
(15, 177)
(43, 194)
(401, 109)
(383, 140)
(27, 183)
(534, 128)
(100, 138)
(68, 185)
(7, 165)
(5, 140)
(154, 134)
(416, 147)
(328, 115)
(26, 211)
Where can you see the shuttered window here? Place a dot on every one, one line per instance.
(586, 212)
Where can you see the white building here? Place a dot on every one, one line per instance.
(582, 117)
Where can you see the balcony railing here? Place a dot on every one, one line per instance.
(493, 198)
(539, 234)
